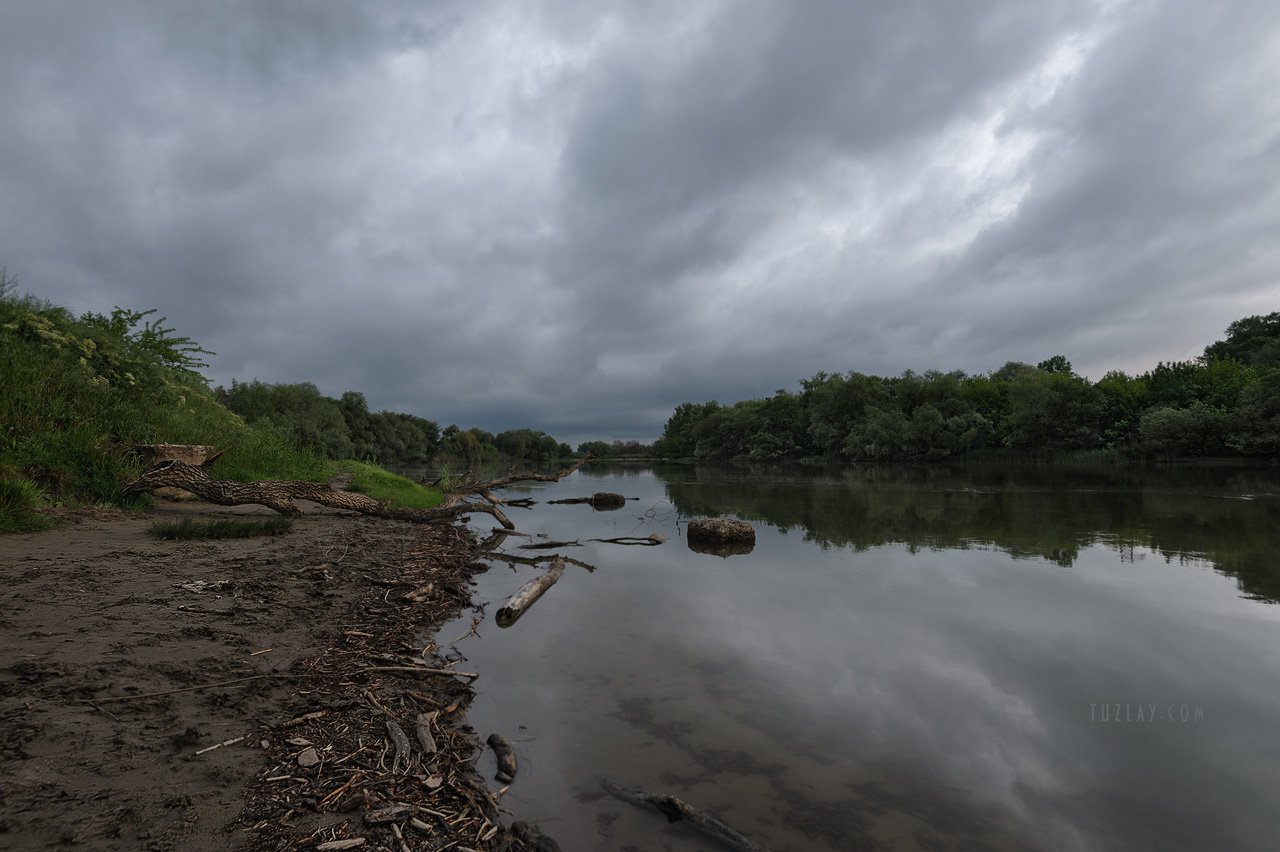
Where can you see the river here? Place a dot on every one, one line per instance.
(910, 658)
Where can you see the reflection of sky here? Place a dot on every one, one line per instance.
(909, 698)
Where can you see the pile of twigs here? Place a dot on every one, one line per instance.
(374, 753)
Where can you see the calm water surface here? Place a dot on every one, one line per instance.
(979, 658)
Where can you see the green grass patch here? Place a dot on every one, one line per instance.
(20, 507)
(188, 528)
(380, 484)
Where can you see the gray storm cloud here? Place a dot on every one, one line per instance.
(574, 216)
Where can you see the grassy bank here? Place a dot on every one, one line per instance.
(382, 485)
(78, 394)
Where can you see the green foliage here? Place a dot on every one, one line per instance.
(1124, 399)
(1196, 430)
(1224, 403)
(388, 487)
(298, 412)
(188, 528)
(1053, 410)
(1254, 427)
(679, 437)
(77, 394)
(473, 446)
(527, 445)
(1218, 383)
(1254, 341)
(1055, 364)
(334, 428)
(20, 507)
(615, 450)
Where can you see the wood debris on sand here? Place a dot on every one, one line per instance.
(375, 750)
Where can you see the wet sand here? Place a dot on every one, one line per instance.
(97, 615)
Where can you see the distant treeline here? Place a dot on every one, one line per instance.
(345, 428)
(1226, 402)
(616, 450)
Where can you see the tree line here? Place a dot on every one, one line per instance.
(345, 428)
(1226, 402)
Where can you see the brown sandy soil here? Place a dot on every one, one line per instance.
(98, 610)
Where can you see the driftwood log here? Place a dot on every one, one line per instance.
(527, 594)
(676, 809)
(645, 541)
(280, 494)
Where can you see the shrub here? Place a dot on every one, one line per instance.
(20, 507)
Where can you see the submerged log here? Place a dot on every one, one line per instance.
(602, 501)
(533, 840)
(506, 757)
(529, 593)
(646, 541)
(676, 809)
(512, 559)
(721, 531)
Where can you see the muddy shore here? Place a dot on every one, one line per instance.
(266, 693)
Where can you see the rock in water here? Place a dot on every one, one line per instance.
(721, 531)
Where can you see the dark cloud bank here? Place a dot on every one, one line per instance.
(573, 216)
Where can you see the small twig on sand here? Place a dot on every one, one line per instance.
(104, 710)
(219, 745)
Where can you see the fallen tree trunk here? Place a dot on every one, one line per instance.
(529, 593)
(677, 809)
(280, 494)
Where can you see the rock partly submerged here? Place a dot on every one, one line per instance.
(721, 536)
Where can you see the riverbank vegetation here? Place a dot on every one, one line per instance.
(345, 428)
(1225, 403)
(618, 450)
(78, 395)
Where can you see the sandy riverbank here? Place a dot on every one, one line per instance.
(324, 629)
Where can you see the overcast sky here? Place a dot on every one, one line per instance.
(575, 215)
